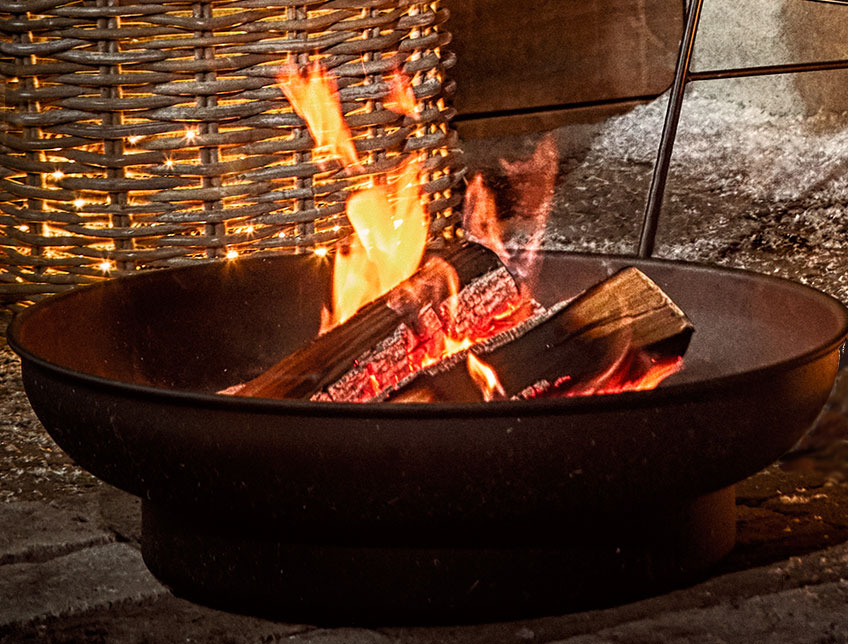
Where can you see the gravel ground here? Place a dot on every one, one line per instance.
(32, 466)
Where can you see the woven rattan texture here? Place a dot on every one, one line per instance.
(147, 134)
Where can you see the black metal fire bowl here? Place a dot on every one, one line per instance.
(418, 512)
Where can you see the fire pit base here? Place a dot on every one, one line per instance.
(419, 575)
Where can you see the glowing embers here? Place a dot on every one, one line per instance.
(622, 334)
(637, 371)
(432, 331)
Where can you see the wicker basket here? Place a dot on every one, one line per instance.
(147, 134)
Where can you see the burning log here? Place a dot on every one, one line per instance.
(618, 330)
(377, 347)
(404, 345)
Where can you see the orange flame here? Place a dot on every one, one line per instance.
(627, 377)
(480, 218)
(659, 371)
(531, 188)
(401, 98)
(315, 98)
(532, 182)
(485, 378)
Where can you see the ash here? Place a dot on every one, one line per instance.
(746, 188)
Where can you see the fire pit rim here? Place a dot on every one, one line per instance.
(684, 390)
(296, 467)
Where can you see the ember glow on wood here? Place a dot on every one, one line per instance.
(380, 327)
(138, 134)
(420, 343)
(612, 334)
(438, 331)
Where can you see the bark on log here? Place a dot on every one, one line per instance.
(329, 357)
(570, 344)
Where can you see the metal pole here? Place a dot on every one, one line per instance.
(770, 70)
(672, 117)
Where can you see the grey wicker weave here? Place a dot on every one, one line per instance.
(151, 133)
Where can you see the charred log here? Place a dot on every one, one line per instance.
(621, 324)
(380, 336)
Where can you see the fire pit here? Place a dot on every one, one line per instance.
(425, 512)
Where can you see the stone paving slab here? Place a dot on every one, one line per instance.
(801, 616)
(728, 608)
(165, 619)
(96, 577)
(802, 599)
(34, 532)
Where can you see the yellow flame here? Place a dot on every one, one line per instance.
(391, 226)
(390, 221)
